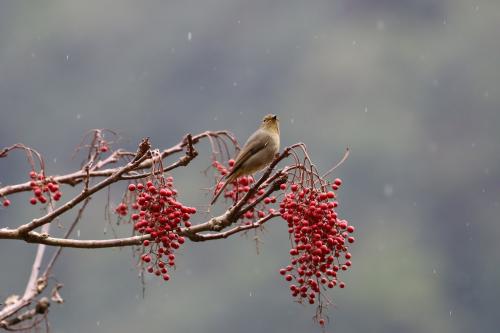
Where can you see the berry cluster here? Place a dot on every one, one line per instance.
(320, 242)
(160, 216)
(238, 188)
(42, 188)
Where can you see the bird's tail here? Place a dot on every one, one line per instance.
(229, 180)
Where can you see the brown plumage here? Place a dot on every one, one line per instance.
(257, 153)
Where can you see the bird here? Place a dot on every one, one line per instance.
(257, 153)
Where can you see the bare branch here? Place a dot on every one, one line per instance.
(32, 287)
(237, 229)
(41, 308)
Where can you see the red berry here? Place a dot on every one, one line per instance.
(165, 193)
(131, 187)
(6, 203)
(337, 181)
(33, 201)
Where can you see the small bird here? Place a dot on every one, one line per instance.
(257, 153)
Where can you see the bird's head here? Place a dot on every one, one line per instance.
(270, 122)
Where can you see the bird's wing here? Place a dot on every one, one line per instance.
(253, 145)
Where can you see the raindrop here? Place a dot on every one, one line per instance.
(366, 109)
(190, 36)
(67, 57)
(78, 233)
(292, 120)
(78, 116)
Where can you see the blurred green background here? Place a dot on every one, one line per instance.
(411, 86)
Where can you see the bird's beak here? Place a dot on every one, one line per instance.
(275, 117)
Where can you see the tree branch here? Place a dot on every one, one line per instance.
(78, 176)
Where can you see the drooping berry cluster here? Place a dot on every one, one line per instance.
(161, 216)
(320, 243)
(42, 188)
